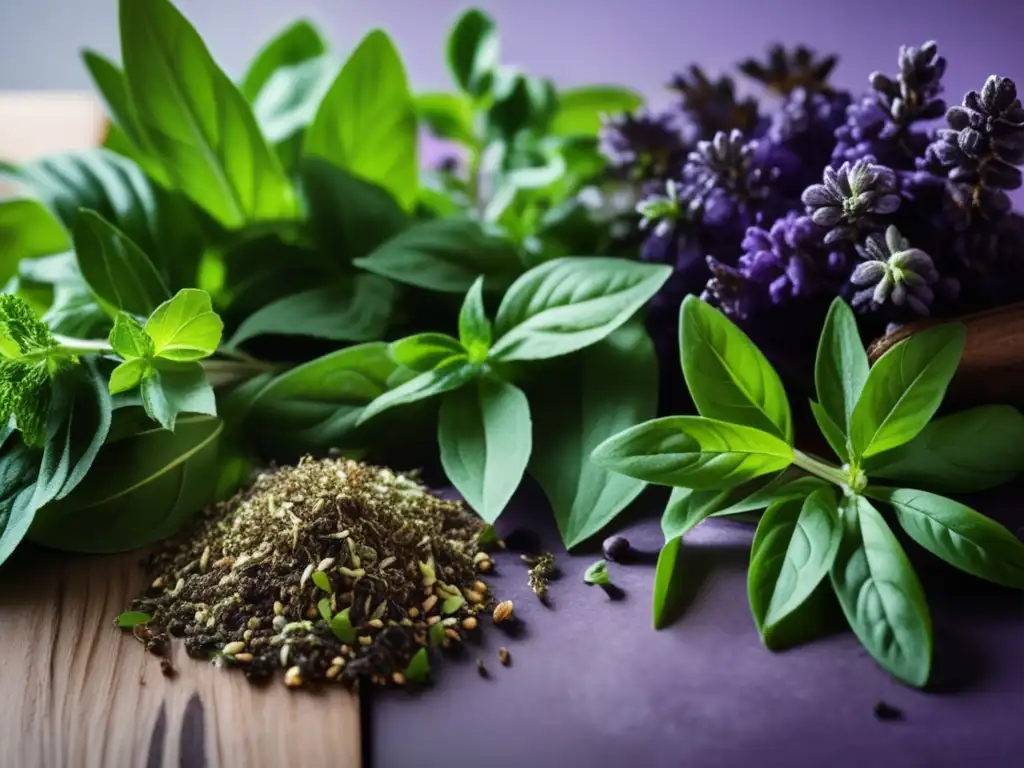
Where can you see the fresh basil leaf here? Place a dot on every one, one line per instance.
(904, 389)
(831, 431)
(129, 375)
(965, 452)
(142, 489)
(341, 626)
(349, 217)
(446, 377)
(962, 537)
(299, 42)
(19, 468)
(841, 367)
(693, 452)
(119, 274)
(473, 49)
(171, 389)
(426, 351)
(880, 594)
(196, 120)
(129, 339)
(794, 547)
(418, 670)
(484, 433)
(366, 123)
(784, 486)
(687, 507)
(445, 255)
(580, 110)
(73, 311)
(185, 327)
(600, 391)
(666, 579)
(474, 327)
(570, 303)
(728, 377)
(288, 103)
(27, 231)
(447, 116)
(352, 308)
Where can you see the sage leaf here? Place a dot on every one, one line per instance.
(474, 327)
(366, 123)
(666, 577)
(728, 377)
(969, 451)
(131, 619)
(129, 339)
(341, 626)
(447, 116)
(298, 42)
(956, 533)
(354, 307)
(841, 366)
(567, 304)
(881, 595)
(446, 377)
(693, 452)
(580, 110)
(171, 389)
(120, 276)
(793, 550)
(184, 328)
(484, 434)
(426, 351)
(831, 431)
(142, 488)
(27, 230)
(197, 121)
(472, 50)
(444, 255)
(601, 390)
(904, 389)
(418, 670)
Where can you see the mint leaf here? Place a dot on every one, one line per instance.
(666, 583)
(484, 433)
(728, 377)
(965, 452)
(567, 304)
(175, 388)
(841, 366)
(450, 375)
(693, 452)
(794, 547)
(904, 389)
(580, 110)
(473, 49)
(298, 42)
(184, 328)
(881, 595)
(129, 375)
(474, 327)
(959, 535)
(129, 339)
(426, 351)
(831, 431)
(366, 123)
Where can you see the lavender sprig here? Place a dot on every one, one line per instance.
(894, 272)
(849, 200)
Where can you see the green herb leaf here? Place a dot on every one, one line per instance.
(580, 109)
(473, 49)
(120, 276)
(452, 604)
(962, 537)
(298, 42)
(185, 328)
(474, 327)
(728, 377)
(170, 389)
(445, 255)
(880, 594)
(597, 574)
(321, 580)
(418, 670)
(129, 339)
(197, 121)
(782, 487)
(965, 452)
(832, 432)
(666, 578)
(484, 433)
(352, 308)
(366, 123)
(142, 488)
(687, 507)
(129, 375)
(19, 468)
(794, 547)
(570, 303)
(447, 116)
(601, 390)
(323, 607)
(426, 351)
(131, 619)
(693, 452)
(841, 366)
(435, 635)
(342, 627)
(904, 389)
(27, 230)
(449, 375)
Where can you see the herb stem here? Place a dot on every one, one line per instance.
(820, 469)
(84, 346)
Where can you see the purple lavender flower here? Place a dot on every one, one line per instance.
(786, 71)
(645, 146)
(850, 200)
(729, 290)
(712, 105)
(723, 175)
(894, 272)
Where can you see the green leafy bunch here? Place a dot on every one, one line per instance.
(821, 525)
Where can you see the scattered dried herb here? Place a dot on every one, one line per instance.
(542, 572)
(504, 657)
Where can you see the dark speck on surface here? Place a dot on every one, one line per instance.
(887, 712)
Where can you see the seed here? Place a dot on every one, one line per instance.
(158, 582)
(232, 648)
(253, 623)
(279, 623)
(473, 596)
(200, 617)
(352, 573)
(311, 612)
(484, 566)
(451, 621)
(399, 678)
(480, 668)
(337, 661)
(480, 587)
(326, 563)
(365, 640)
(305, 575)
(617, 548)
(247, 635)
(502, 612)
(453, 634)
(243, 658)
(224, 562)
(479, 557)
(429, 603)
(469, 623)
(333, 672)
(343, 534)
(278, 608)
(285, 653)
(376, 623)
(204, 559)
(405, 623)
(386, 562)
(433, 620)
(504, 656)
(293, 677)
(414, 612)
(318, 505)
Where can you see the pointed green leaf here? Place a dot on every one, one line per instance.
(129, 339)
(418, 670)
(426, 351)
(341, 626)
(300, 41)
(784, 486)
(177, 388)
(450, 375)
(185, 328)
(472, 49)
(474, 327)
(841, 367)
(128, 375)
(666, 578)
(27, 230)
(580, 110)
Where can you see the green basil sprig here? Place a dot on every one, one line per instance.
(820, 525)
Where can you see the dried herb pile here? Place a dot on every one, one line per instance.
(329, 570)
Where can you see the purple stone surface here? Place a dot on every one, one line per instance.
(592, 684)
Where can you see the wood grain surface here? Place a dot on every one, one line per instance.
(79, 692)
